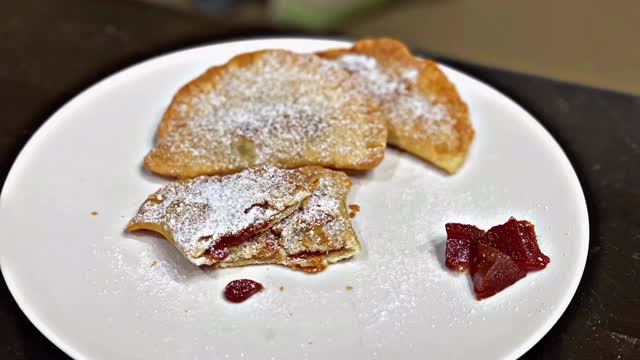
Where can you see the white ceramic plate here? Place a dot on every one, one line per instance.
(94, 291)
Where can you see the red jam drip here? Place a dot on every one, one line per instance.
(238, 291)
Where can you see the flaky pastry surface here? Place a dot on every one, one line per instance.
(424, 112)
(271, 107)
(297, 218)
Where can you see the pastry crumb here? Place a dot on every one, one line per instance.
(349, 287)
(353, 210)
(94, 213)
(154, 263)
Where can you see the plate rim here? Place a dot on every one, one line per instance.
(151, 63)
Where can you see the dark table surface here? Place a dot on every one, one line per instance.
(48, 54)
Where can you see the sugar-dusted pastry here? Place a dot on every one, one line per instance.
(424, 113)
(270, 107)
(315, 233)
(199, 214)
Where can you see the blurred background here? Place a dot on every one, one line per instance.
(592, 42)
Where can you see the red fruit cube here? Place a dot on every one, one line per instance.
(517, 239)
(460, 237)
(492, 271)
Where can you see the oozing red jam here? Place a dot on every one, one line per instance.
(238, 291)
(496, 258)
(220, 250)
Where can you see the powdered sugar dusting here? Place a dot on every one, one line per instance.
(379, 82)
(285, 109)
(410, 112)
(422, 118)
(320, 225)
(325, 210)
(199, 212)
(410, 74)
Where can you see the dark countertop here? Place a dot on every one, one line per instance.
(49, 54)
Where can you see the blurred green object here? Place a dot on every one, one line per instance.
(318, 14)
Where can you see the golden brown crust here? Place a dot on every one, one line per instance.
(300, 229)
(447, 147)
(201, 213)
(270, 107)
(316, 235)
